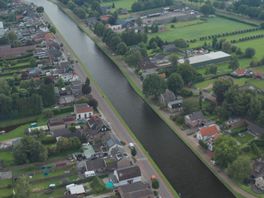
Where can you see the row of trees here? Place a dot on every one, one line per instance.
(224, 34)
(247, 38)
(119, 43)
(149, 4)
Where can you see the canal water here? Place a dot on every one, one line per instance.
(187, 174)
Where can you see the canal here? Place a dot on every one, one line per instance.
(187, 174)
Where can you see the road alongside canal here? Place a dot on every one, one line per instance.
(187, 174)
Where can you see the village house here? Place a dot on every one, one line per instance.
(126, 176)
(254, 129)
(97, 125)
(195, 119)
(241, 72)
(208, 135)
(171, 101)
(135, 190)
(83, 111)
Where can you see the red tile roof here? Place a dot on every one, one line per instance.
(240, 71)
(212, 130)
(82, 108)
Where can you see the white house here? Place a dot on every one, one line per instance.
(127, 175)
(75, 189)
(208, 134)
(83, 111)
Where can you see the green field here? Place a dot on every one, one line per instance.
(257, 44)
(238, 81)
(195, 29)
(119, 3)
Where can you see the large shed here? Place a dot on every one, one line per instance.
(206, 59)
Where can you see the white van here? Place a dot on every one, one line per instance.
(88, 174)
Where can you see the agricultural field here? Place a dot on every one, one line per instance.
(197, 28)
(257, 44)
(119, 3)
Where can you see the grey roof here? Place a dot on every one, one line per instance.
(206, 57)
(95, 164)
(198, 115)
(128, 173)
(255, 129)
(136, 190)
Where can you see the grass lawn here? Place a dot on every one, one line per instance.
(119, 3)
(245, 139)
(6, 192)
(257, 44)
(57, 193)
(18, 132)
(197, 28)
(248, 189)
(7, 157)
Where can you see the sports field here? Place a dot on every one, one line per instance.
(197, 28)
(119, 3)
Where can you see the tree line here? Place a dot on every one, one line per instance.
(140, 5)
(25, 98)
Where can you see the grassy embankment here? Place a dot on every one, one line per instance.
(94, 83)
(119, 62)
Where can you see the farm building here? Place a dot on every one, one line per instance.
(205, 59)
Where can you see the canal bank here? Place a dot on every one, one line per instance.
(184, 171)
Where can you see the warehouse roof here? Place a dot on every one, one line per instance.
(206, 57)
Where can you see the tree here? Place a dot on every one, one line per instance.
(240, 168)
(155, 183)
(93, 103)
(52, 29)
(187, 72)
(47, 93)
(220, 87)
(29, 150)
(212, 69)
(181, 43)
(226, 150)
(133, 152)
(12, 37)
(40, 9)
(86, 88)
(133, 57)
(207, 8)
(153, 85)
(233, 63)
(250, 52)
(22, 188)
(121, 48)
(175, 83)
(174, 60)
